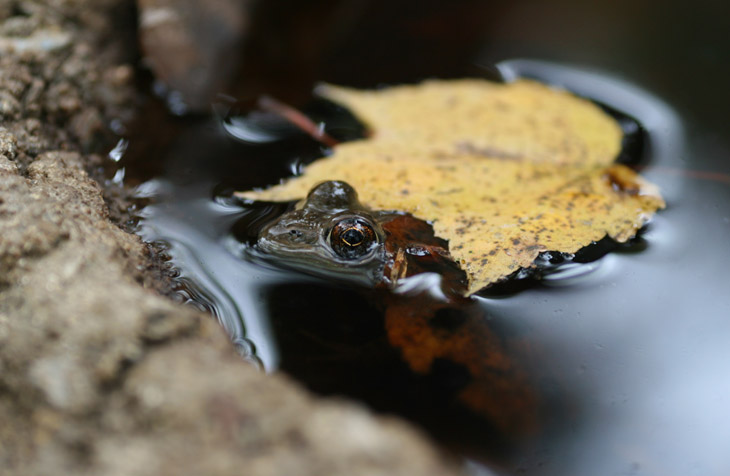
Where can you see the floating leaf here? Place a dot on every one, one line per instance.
(503, 172)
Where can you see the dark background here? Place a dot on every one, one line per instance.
(676, 49)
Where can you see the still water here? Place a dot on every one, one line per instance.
(633, 347)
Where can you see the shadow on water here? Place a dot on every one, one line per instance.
(624, 345)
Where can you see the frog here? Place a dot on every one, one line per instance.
(420, 289)
(330, 231)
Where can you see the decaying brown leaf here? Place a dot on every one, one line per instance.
(503, 172)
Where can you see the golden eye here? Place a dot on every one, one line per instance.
(352, 238)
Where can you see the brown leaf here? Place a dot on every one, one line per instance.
(503, 172)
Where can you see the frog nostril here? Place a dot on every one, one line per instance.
(295, 234)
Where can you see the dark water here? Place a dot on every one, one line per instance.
(632, 347)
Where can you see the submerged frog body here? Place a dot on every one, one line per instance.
(332, 234)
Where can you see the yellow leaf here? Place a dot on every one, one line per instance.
(503, 172)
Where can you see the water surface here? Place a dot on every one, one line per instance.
(633, 345)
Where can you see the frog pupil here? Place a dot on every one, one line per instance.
(352, 237)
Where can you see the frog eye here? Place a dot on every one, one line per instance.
(352, 238)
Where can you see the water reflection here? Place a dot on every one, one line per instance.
(634, 344)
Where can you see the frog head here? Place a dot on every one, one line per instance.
(330, 233)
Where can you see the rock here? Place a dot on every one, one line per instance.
(8, 144)
(40, 41)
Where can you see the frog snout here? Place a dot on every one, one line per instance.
(286, 236)
(295, 234)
